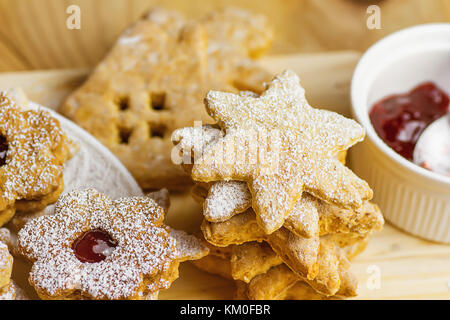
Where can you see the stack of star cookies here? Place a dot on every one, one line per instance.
(155, 78)
(283, 215)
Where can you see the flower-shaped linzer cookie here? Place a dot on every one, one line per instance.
(33, 149)
(97, 248)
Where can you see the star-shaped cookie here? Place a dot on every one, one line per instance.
(154, 80)
(295, 149)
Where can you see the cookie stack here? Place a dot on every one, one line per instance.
(283, 215)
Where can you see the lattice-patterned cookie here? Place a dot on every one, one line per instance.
(155, 79)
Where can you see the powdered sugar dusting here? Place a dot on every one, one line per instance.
(5, 260)
(37, 149)
(305, 143)
(161, 197)
(5, 235)
(8, 292)
(144, 248)
(189, 247)
(193, 141)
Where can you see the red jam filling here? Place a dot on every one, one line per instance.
(93, 246)
(3, 150)
(400, 119)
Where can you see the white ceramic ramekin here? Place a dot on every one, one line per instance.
(412, 198)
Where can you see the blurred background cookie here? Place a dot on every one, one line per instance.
(155, 78)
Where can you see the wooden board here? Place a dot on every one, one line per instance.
(409, 268)
(34, 33)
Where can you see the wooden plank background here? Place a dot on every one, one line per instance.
(33, 33)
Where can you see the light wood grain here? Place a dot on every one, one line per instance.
(328, 88)
(34, 35)
(410, 268)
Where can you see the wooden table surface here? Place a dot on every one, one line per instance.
(33, 33)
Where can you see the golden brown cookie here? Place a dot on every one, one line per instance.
(224, 199)
(252, 258)
(33, 149)
(309, 217)
(298, 155)
(271, 279)
(299, 253)
(6, 262)
(275, 190)
(154, 81)
(96, 248)
(243, 228)
(189, 247)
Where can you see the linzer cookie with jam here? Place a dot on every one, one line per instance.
(154, 81)
(33, 150)
(97, 248)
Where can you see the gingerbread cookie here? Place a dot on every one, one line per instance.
(154, 81)
(96, 248)
(223, 199)
(33, 149)
(252, 258)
